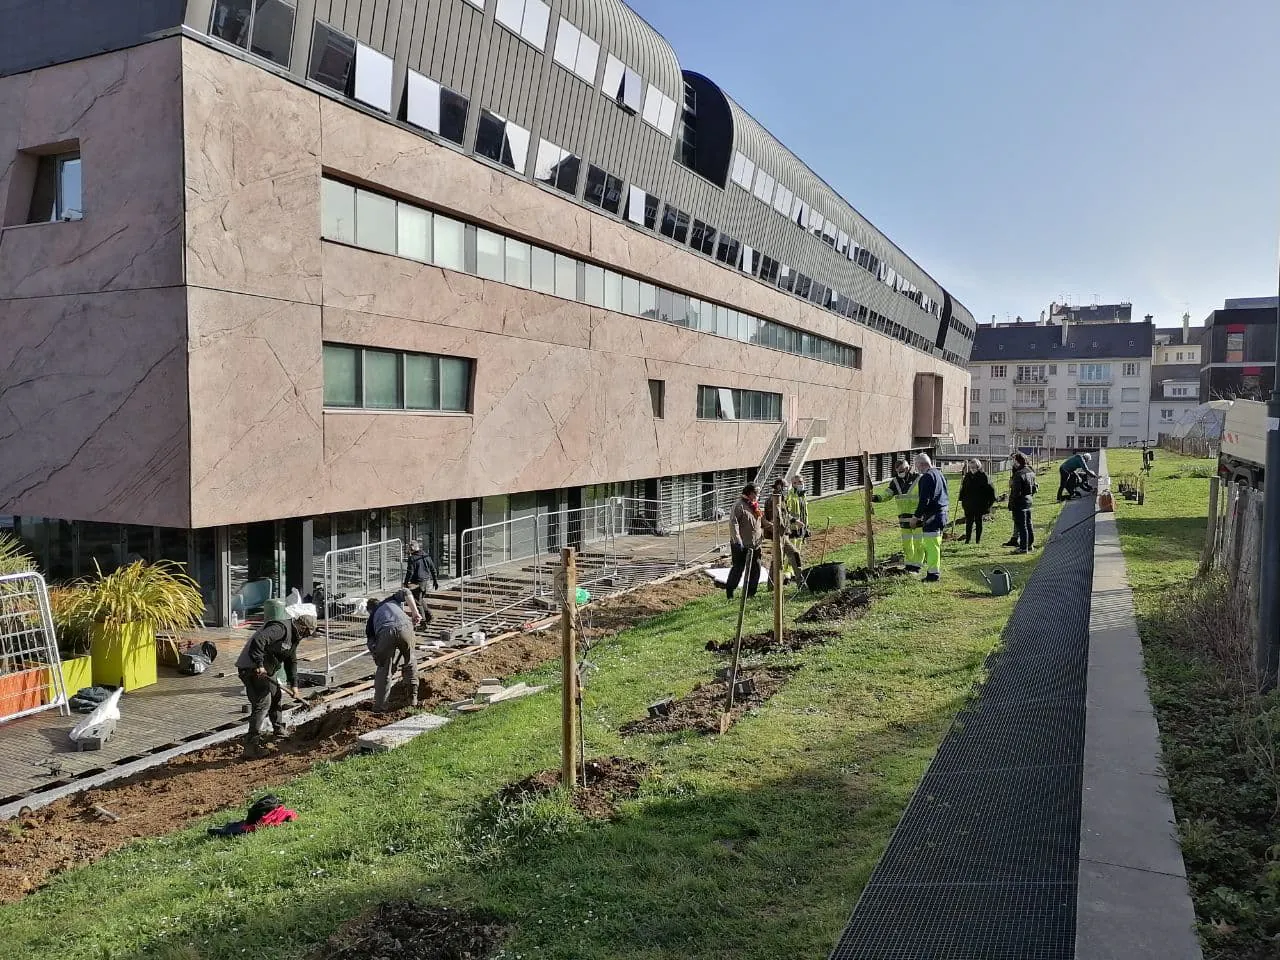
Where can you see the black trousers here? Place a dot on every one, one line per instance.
(740, 557)
(973, 524)
(416, 590)
(264, 702)
(1023, 531)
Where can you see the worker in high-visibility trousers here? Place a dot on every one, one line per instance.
(902, 488)
(931, 514)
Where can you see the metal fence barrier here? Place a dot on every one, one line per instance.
(351, 576)
(30, 667)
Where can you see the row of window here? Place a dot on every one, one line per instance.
(369, 220)
(1041, 442)
(1032, 373)
(367, 379)
(998, 418)
(364, 74)
(1086, 396)
(724, 403)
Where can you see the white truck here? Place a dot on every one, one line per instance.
(1242, 456)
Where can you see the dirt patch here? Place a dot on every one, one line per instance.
(608, 780)
(69, 833)
(405, 930)
(849, 603)
(792, 640)
(701, 709)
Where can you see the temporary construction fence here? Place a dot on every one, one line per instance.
(30, 668)
(351, 576)
(1189, 446)
(1233, 544)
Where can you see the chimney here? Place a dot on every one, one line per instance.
(1148, 318)
(1065, 324)
(1186, 328)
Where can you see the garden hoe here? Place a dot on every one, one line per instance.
(727, 717)
(303, 707)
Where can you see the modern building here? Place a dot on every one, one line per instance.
(1175, 375)
(1061, 386)
(284, 276)
(1238, 360)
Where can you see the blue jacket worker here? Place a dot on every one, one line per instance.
(389, 631)
(931, 514)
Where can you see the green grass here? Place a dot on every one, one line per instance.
(1224, 796)
(754, 845)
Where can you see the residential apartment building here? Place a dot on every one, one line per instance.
(287, 276)
(1054, 387)
(1239, 350)
(1093, 313)
(1175, 376)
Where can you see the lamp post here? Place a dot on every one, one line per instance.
(1269, 594)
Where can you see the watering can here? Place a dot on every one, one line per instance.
(1000, 582)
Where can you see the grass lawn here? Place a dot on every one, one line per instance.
(1224, 788)
(752, 845)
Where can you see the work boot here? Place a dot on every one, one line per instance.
(254, 749)
(933, 578)
(1010, 543)
(279, 731)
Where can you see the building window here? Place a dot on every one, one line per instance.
(723, 403)
(1131, 369)
(367, 379)
(375, 222)
(527, 19)
(675, 224)
(1071, 416)
(727, 250)
(557, 167)
(997, 418)
(622, 85)
(782, 199)
(658, 398)
(1053, 393)
(1071, 393)
(502, 141)
(605, 190)
(1095, 372)
(743, 172)
(769, 269)
(999, 394)
(434, 108)
(333, 54)
(1095, 421)
(576, 52)
(1053, 417)
(59, 193)
(263, 27)
(703, 238)
(1128, 418)
(1166, 414)
(1071, 369)
(491, 255)
(687, 148)
(1235, 348)
(1179, 356)
(764, 186)
(974, 418)
(976, 395)
(1129, 394)
(1053, 369)
(999, 371)
(659, 110)
(642, 208)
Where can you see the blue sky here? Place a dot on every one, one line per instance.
(1024, 151)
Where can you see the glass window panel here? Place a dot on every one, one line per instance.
(728, 409)
(341, 376)
(338, 211)
(534, 28)
(543, 270)
(613, 73)
(612, 290)
(593, 285)
(566, 277)
(491, 255)
(375, 222)
(631, 296)
(667, 115)
(373, 78)
(518, 267)
(680, 309)
(652, 105)
(455, 384)
(273, 30)
(726, 322)
(510, 13)
(566, 50)
(413, 233)
(421, 382)
(448, 243)
(648, 300)
(708, 319)
(453, 115)
(231, 21)
(635, 205)
(588, 59)
(422, 107)
(332, 57)
(666, 304)
(382, 380)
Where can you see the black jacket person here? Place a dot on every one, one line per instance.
(418, 572)
(272, 646)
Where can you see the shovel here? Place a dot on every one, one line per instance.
(304, 706)
(727, 716)
(825, 534)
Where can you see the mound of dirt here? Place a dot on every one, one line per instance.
(848, 603)
(701, 709)
(404, 930)
(880, 571)
(792, 640)
(609, 779)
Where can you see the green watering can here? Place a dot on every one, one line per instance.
(582, 596)
(1000, 582)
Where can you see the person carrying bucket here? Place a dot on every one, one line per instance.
(903, 489)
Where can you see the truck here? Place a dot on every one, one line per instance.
(1242, 455)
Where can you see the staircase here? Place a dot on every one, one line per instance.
(788, 452)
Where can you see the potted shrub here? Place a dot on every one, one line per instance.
(122, 612)
(73, 643)
(22, 683)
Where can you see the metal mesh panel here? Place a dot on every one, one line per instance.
(351, 576)
(29, 662)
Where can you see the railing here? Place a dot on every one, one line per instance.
(772, 453)
(812, 432)
(351, 576)
(1029, 404)
(1095, 381)
(29, 660)
(1094, 404)
(1091, 431)
(1031, 378)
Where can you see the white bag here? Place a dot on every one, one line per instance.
(293, 599)
(298, 609)
(108, 710)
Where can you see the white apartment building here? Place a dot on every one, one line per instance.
(1057, 386)
(1175, 376)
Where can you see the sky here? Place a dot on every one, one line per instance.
(1025, 152)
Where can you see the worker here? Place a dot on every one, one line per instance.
(744, 542)
(798, 508)
(419, 571)
(783, 520)
(903, 489)
(392, 623)
(1022, 487)
(931, 514)
(272, 646)
(1066, 473)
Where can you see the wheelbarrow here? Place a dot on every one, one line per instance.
(1000, 583)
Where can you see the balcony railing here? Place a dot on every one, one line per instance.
(1094, 404)
(1095, 381)
(1092, 430)
(1031, 378)
(1025, 404)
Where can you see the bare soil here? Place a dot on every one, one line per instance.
(849, 603)
(792, 640)
(701, 709)
(405, 930)
(69, 833)
(608, 780)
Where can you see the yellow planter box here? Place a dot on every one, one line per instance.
(77, 673)
(124, 655)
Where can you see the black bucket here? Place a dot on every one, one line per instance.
(825, 577)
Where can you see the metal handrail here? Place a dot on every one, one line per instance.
(772, 453)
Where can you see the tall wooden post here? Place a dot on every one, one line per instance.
(866, 487)
(569, 669)
(777, 573)
(1211, 531)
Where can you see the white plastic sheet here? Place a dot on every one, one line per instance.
(107, 711)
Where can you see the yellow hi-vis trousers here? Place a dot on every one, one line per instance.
(912, 548)
(931, 545)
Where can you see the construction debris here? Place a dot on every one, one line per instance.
(399, 733)
(491, 691)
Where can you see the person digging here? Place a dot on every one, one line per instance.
(272, 646)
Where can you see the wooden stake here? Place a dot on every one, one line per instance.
(569, 669)
(779, 563)
(1211, 533)
(866, 487)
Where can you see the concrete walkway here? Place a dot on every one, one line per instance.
(1133, 901)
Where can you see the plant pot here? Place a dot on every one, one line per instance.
(124, 655)
(77, 673)
(21, 691)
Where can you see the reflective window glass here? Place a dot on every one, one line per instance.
(543, 270)
(603, 190)
(332, 57)
(612, 290)
(421, 382)
(341, 376)
(648, 300)
(453, 115)
(491, 255)
(373, 78)
(703, 238)
(593, 285)
(413, 233)
(566, 277)
(666, 304)
(455, 384)
(518, 254)
(375, 222)
(337, 211)
(557, 167)
(631, 296)
(675, 224)
(448, 243)
(382, 380)
(502, 141)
